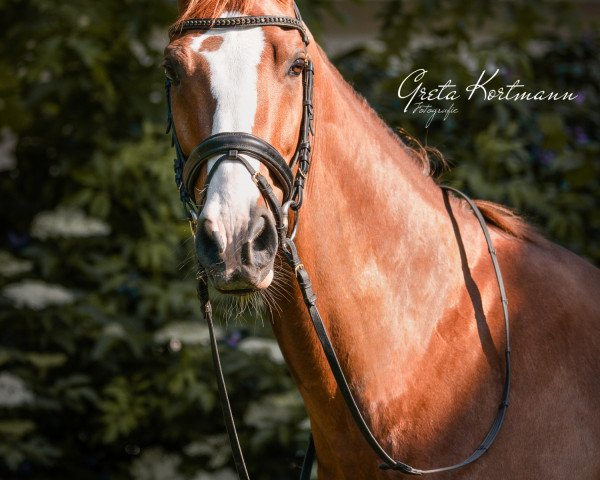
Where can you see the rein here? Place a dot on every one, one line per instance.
(231, 146)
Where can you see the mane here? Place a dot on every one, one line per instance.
(214, 8)
(505, 219)
(508, 221)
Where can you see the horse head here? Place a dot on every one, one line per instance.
(236, 103)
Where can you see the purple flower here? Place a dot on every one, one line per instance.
(234, 338)
(581, 137)
(580, 99)
(546, 157)
(17, 241)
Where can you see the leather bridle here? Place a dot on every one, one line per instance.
(233, 146)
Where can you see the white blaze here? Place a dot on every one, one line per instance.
(233, 83)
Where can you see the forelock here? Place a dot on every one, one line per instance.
(214, 8)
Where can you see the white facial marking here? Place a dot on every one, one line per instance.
(233, 84)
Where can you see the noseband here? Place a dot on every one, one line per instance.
(233, 146)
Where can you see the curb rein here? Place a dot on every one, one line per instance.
(231, 147)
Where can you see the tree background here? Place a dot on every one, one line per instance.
(104, 367)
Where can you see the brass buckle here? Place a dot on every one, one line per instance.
(193, 227)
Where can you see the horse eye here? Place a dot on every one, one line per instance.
(171, 74)
(297, 67)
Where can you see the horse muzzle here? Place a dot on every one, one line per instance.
(245, 264)
(241, 260)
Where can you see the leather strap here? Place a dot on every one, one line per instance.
(309, 460)
(240, 22)
(234, 441)
(263, 185)
(390, 463)
(310, 299)
(242, 143)
(303, 152)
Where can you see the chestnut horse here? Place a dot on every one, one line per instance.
(401, 270)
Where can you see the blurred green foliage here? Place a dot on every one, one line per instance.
(105, 371)
(104, 366)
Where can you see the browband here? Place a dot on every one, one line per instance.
(244, 143)
(258, 21)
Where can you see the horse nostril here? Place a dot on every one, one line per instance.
(257, 228)
(259, 249)
(263, 238)
(210, 241)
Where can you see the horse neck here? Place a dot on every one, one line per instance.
(376, 239)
